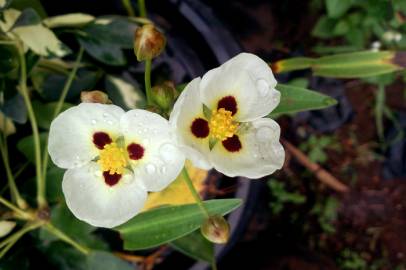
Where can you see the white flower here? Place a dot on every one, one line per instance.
(113, 159)
(229, 132)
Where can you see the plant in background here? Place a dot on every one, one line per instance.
(281, 196)
(315, 147)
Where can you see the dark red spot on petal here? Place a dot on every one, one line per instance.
(228, 103)
(100, 139)
(135, 151)
(111, 179)
(200, 128)
(232, 144)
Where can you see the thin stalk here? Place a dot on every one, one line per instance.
(379, 110)
(194, 192)
(147, 78)
(62, 236)
(142, 8)
(213, 265)
(58, 108)
(15, 194)
(17, 210)
(15, 176)
(37, 144)
(128, 7)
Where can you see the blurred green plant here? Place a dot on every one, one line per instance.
(281, 196)
(315, 147)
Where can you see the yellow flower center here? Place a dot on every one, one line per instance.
(112, 159)
(221, 124)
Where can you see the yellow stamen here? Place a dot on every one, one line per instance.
(112, 159)
(221, 124)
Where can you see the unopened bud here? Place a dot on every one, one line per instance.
(164, 95)
(216, 229)
(94, 96)
(149, 42)
(6, 227)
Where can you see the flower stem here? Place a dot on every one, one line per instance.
(148, 81)
(37, 145)
(58, 108)
(128, 7)
(62, 236)
(15, 194)
(194, 192)
(142, 8)
(17, 210)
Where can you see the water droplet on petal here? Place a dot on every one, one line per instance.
(94, 122)
(264, 134)
(168, 152)
(150, 168)
(262, 87)
(105, 115)
(163, 169)
(109, 122)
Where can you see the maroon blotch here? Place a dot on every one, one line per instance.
(200, 128)
(100, 139)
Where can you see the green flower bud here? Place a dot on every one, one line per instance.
(94, 96)
(164, 95)
(216, 229)
(149, 42)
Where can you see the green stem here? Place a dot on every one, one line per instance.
(128, 7)
(194, 192)
(379, 110)
(213, 265)
(58, 108)
(62, 236)
(15, 176)
(12, 239)
(142, 8)
(17, 210)
(37, 145)
(15, 194)
(148, 81)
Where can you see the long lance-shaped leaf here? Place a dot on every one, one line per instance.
(165, 224)
(195, 246)
(297, 99)
(347, 65)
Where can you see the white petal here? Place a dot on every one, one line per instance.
(71, 133)
(187, 108)
(90, 199)
(249, 80)
(162, 160)
(261, 153)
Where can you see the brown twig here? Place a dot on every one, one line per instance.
(321, 174)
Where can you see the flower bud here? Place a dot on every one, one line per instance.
(94, 96)
(149, 42)
(216, 229)
(163, 95)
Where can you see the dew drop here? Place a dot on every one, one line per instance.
(109, 122)
(150, 168)
(163, 169)
(94, 122)
(105, 115)
(263, 134)
(168, 152)
(262, 87)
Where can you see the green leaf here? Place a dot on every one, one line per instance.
(101, 260)
(337, 8)
(8, 60)
(323, 27)
(106, 53)
(26, 146)
(35, 4)
(28, 17)
(123, 93)
(296, 99)
(38, 38)
(68, 20)
(54, 184)
(113, 30)
(45, 112)
(195, 246)
(50, 84)
(165, 224)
